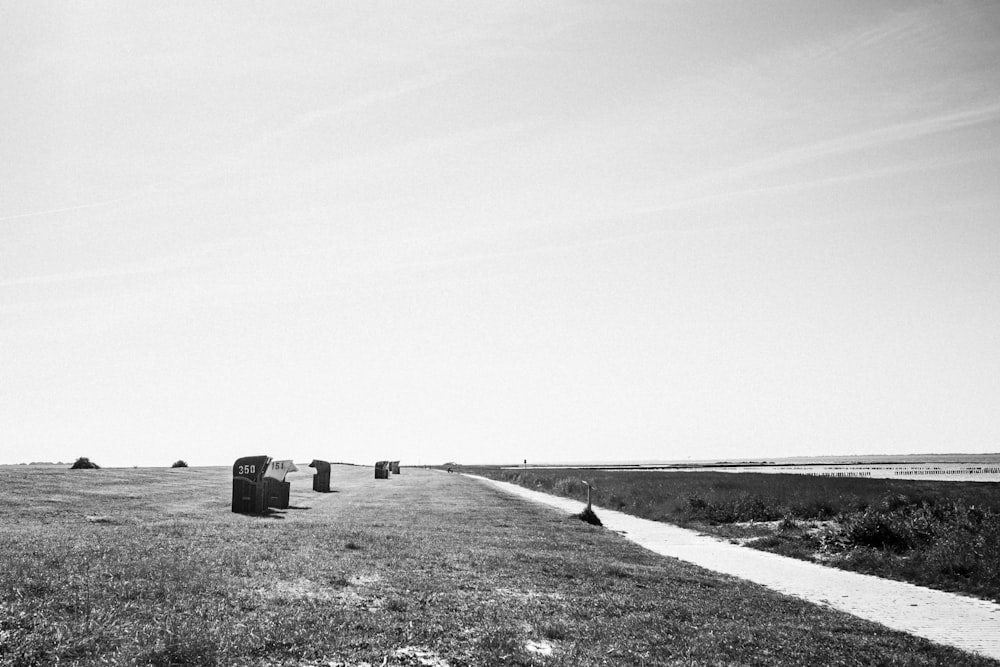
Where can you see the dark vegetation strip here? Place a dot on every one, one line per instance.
(944, 535)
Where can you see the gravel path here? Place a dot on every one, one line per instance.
(955, 620)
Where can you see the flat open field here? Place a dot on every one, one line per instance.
(149, 567)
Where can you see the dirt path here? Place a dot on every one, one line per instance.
(946, 618)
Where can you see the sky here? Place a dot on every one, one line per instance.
(498, 231)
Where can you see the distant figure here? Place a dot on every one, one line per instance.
(449, 469)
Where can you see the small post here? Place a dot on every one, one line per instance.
(588, 514)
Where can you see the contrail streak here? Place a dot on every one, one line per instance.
(51, 211)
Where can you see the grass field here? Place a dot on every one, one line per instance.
(150, 567)
(944, 535)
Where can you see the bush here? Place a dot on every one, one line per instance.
(953, 557)
(570, 487)
(879, 530)
(83, 463)
(179, 464)
(751, 507)
(788, 524)
(814, 508)
(743, 507)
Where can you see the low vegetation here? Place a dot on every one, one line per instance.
(180, 463)
(943, 535)
(83, 463)
(150, 567)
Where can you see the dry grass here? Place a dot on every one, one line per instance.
(149, 567)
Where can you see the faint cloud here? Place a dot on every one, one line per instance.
(890, 134)
(353, 106)
(65, 209)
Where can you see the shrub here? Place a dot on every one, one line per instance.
(696, 503)
(866, 559)
(569, 487)
(179, 464)
(895, 501)
(814, 508)
(743, 507)
(953, 557)
(879, 530)
(787, 524)
(751, 507)
(83, 463)
(617, 502)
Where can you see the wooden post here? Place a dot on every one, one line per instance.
(589, 489)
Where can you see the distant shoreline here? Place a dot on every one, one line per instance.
(860, 459)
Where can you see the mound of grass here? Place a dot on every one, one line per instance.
(83, 463)
(588, 516)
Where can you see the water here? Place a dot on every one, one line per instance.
(985, 470)
(958, 472)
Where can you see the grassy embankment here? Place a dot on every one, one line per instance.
(944, 535)
(149, 567)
